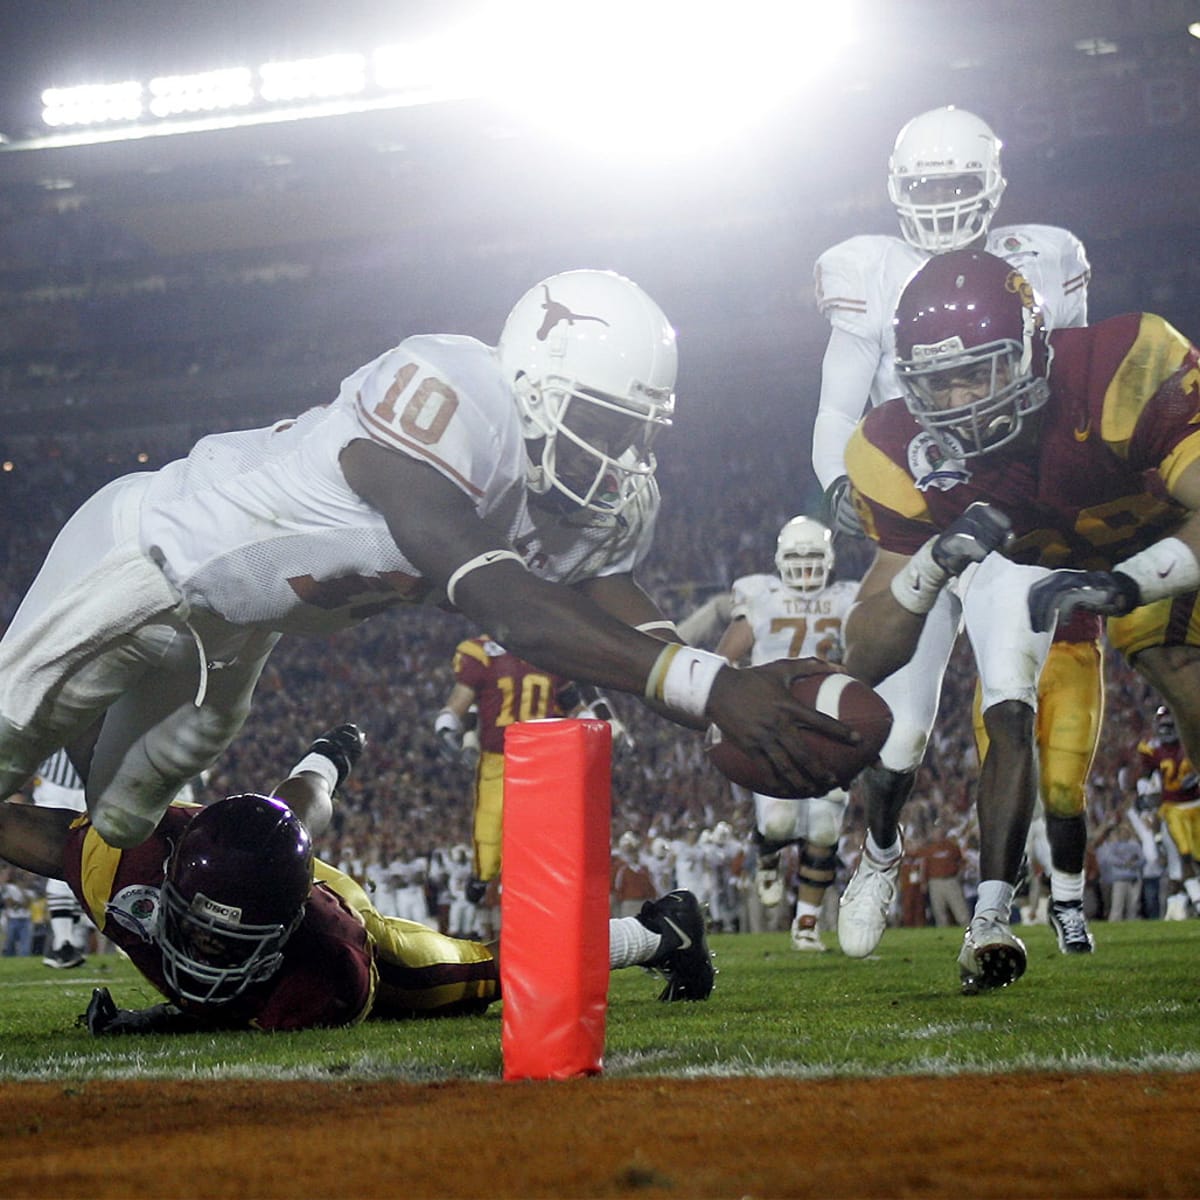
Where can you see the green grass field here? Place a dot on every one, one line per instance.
(1135, 1004)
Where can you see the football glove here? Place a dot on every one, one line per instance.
(104, 1019)
(1110, 593)
(971, 537)
(837, 509)
(342, 746)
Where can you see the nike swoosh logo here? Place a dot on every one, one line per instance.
(1165, 572)
(685, 942)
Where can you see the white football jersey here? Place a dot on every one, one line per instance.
(260, 526)
(790, 624)
(858, 283)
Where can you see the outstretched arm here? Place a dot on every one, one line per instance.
(33, 838)
(564, 630)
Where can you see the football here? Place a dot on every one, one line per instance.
(836, 695)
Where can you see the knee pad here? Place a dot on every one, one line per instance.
(779, 819)
(824, 818)
(905, 745)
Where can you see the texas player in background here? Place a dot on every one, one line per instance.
(945, 182)
(227, 912)
(1162, 756)
(1077, 448)
(502, 688)
(796, 613)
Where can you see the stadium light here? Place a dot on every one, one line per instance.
(313, 78)
(92, 104)
(207, 91)
(618, 80)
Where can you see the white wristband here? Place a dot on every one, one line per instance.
(1167, 568)
(917, 587)
(682, 678)
(318, 764)
(663, 626)
(448, 719)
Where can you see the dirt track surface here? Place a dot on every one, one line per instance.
(976, 1136)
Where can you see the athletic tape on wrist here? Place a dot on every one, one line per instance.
(318, 764)
(682, 678)
(917, 587)
(1167, 568)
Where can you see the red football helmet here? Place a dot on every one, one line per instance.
(971, 351)
(235, 889)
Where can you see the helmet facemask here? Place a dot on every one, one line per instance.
(591, 448)
(208, 955)
(804, 555)
(999, 371)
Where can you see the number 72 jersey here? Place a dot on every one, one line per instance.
(791, 624)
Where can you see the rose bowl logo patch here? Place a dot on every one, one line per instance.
(136, 909)
(930, 465)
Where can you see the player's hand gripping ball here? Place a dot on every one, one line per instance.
(836, 695)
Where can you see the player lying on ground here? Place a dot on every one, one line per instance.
(228, 914)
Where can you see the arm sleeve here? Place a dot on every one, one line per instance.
(847, 371)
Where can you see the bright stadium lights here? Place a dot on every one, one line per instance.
(313, 78)
(619, 80)
(208, 91)
(666, 78)
(92, 104)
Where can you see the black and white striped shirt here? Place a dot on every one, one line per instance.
(57, 769)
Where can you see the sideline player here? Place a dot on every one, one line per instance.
(515, 483)
(945, 182)
(502, 688)
(1077, 448)
(1163, 756)
(228, 914)
(797, 613)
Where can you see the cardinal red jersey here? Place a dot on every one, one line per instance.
(507, 689)
(327, 977)
(1090, 488)
(1180, 783)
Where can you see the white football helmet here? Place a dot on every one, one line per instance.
(944, 179)
(804, 554)
(592, 360)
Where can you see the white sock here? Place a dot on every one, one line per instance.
(630, 943)
(1192, 887)
(1066, 886)
(61, 929)
(886, 857)
(804, 909)
(995, 900)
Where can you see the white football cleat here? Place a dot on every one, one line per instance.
(805, 936)
(991, 956)
(863, 908)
